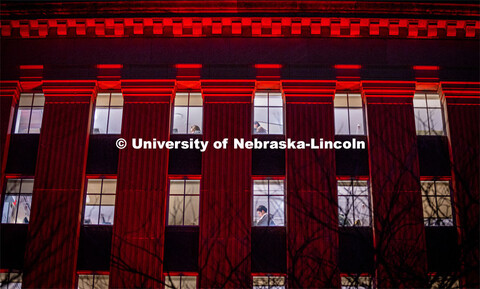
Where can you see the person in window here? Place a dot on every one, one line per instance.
(258, 128)
(195, 129)
(265, 218)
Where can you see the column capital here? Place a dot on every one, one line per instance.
(10, 88)
(309, 91)
(69, 91)
(388, 92)
(144, 91)
(461, 93)
(228, 91)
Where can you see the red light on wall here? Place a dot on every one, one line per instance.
(424, 67)
(183, 66)
(347, 66)
(268, 66)
(26, 67)
(109, 66)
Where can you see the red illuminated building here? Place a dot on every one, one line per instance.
(400, 77)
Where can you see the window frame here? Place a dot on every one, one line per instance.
(269, 178)
(429, 222)
(184, 179)
(348, 107)
(101, 194)
(353, 197)
(357, 277)
(109, 107)
(270, 275)
(172, 112)
(268, 92)
(181, 275)
(31, 107)
(94, 274)
(428, 110)
(5, 194)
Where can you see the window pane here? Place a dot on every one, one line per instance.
(103, 99)
(362, 214)
(355, 100)
(91, 215)
(277, 187)
(340, 100)
(39, 99)
(195, 120)
(172, 282)
(36, 120)
(192, 204)
(341, 121)
(26, 99)
(444, 207)
(276, 120)
(175, 211)
(360, 188)
(13, 186)
(93, 200)
(356, 121)
(101, 282)
(108, 200)
(106, 214)
(443, 188)
(419, 100)
(436, 121)
(22, 121)
(115, 121)
(94, 186)
(180, 120)
(192, 187)
(100, 121)
(181, 99)
(421, 121)
(260, 187)
(345, 188)
(275, 99)
(260, 115)
(257, 218)
(277, 210)
(85, 281)
(429, 210)
(27, 186)
(260, 99)
(23, 216)
(117, 99)
(177, 187)
(345, 211)
(109, 186)
(9, 209)
(433, 100)
(189, 282)
(260, 282)
(196, 99)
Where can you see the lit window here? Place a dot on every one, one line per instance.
(181, 282)
(356, 282)
(108, 113)
(17, 201)
(268, 113)
(92, 281)
(269, 282)
(349, 116)
(268, 203)
(428, 114)
(437, 204)
(353, 203)
(444, 281)
(29, 113)
(188, 113)
(184, 202)
(11, 280)
(100, 202)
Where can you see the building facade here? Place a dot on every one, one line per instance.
(107, 179)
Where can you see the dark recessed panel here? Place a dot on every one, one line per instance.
(185, 161)
(433, 156)
(22, 154)
(13, 239)
(268, 162)
(102, 154)
(94, 248)
(181, 249)
(356, 250)
(352, 162)
(269, 250)
(442, 249)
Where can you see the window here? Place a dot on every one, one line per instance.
(268, 113)
(268, 282)
(181, 282)
(438, 281)
(188, 113)
(268, 202)
(349, 116)
(17, 201)
(92, 281)
(11, 280)
(356, 282)
(100, 202)
(184, 203)
(29, 113)
(428, 114)
(353, 203)
(108, 113)
(437, 204)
